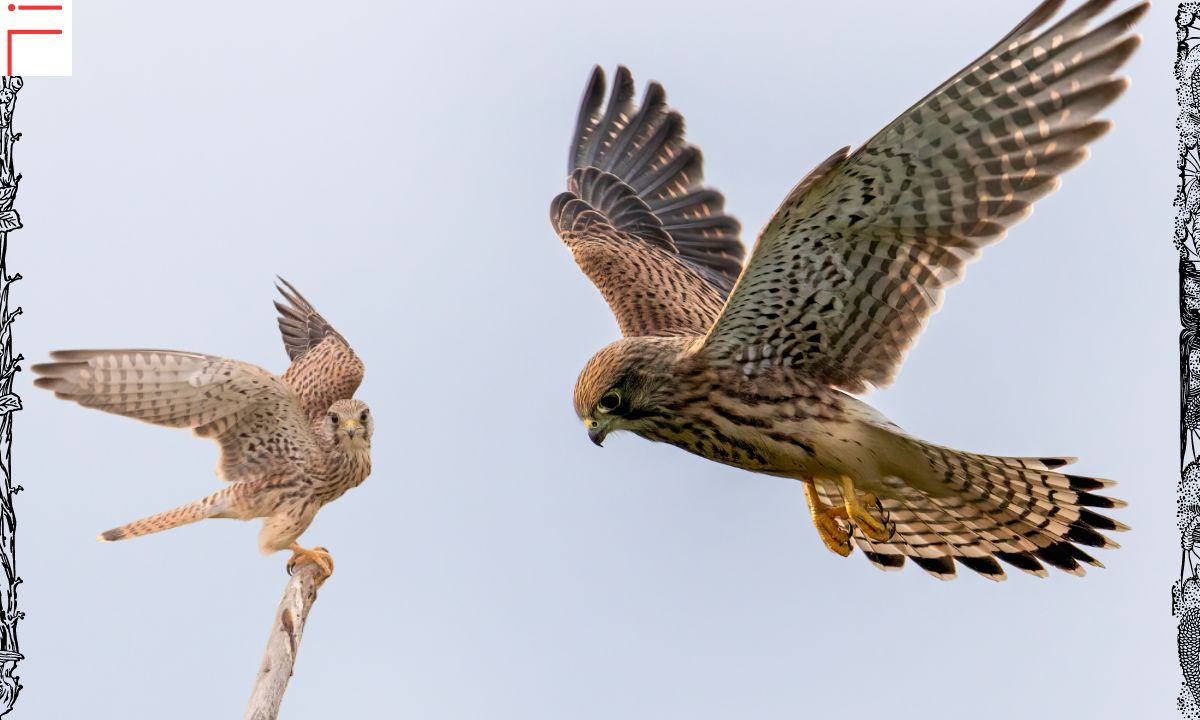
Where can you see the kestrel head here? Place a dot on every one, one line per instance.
(349, 425)
(621, 386)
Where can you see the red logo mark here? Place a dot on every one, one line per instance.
(11, 33)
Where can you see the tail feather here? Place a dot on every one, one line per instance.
(977, 524)
(1032, 463)
(932, 540)
(212, 506)
(976, 509)
(936, 532)
(1039, 506)
(939, 535)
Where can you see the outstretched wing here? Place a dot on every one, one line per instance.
(637, 217)
(253, 415)
(324, 367)
(845, 275)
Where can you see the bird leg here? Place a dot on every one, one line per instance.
(858, 512)
(318, 555)
(825, 518)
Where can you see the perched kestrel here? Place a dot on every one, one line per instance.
(288, 444)
(752, 365)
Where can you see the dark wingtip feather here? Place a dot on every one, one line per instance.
(1035, 19)
(293, 296)
(1079, 482)
(985, 566)
(301, 326)
(1087, 536)
(1087, 499)
(644, 149)
(1119, 54)
(655, 96)
(1132, 16)
(884, 561)
(1100, 522)
(1023, 561)
(1103, 93)
(589, 105)
(1081, 556)
(619, 100)
(74, 355)
(1062, 555)
(941, 568)
(1085, 12)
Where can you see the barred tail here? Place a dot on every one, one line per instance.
(977, 509)
(212, 506)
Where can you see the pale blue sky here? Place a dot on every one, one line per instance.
(396, 164)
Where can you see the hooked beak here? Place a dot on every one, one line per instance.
(595, 432)
(351, 427)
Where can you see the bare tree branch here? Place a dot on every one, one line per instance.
(284, 641)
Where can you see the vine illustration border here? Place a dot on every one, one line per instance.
(9, 403)
(1185, 592)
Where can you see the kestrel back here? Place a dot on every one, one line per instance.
(752, 364)
(289, 444)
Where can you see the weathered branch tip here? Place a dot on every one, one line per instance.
(283, 642)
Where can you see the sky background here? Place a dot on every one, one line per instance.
(396, 163)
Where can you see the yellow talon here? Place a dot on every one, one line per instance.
(825, 518)
(859, 512)
(318, 556)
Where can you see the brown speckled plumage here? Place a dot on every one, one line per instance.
(753, 366)
(324, 367)
(288, 444)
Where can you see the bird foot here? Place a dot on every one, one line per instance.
(865, 513)
(319, 556)
(825, 518)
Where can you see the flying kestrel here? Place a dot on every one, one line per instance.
(289, 444)
(752, 365)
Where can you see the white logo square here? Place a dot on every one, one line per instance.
(37, 36)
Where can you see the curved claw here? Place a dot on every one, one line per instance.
(859, 512)
(319, 556)
(832, 534)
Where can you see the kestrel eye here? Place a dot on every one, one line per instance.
(333, 418)
(363, 417)
(610, 401)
